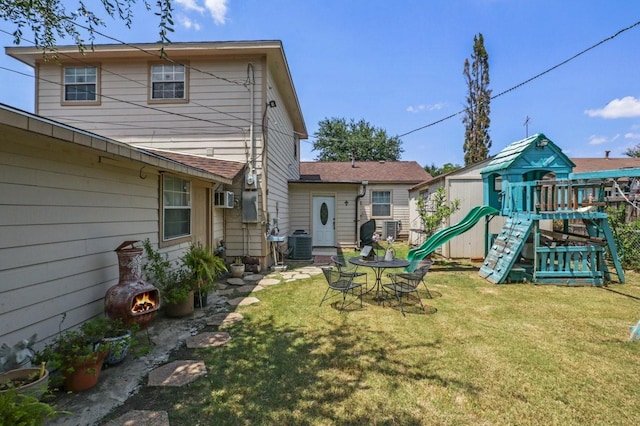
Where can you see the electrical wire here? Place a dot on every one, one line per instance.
(535, 77)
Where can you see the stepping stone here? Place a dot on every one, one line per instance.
(227, 291)
(141, 418)
(235, 281)
(243, 301)
(177, 373)
(208, 340)
(268, 281)
(249, 288)
(253, 278)
(225, 318)
(300, 276)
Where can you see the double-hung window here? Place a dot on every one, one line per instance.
(80, 84)
(176, 207)
(168, 82)
(381, 203)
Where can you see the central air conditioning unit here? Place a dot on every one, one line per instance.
(390, 229)
(223, 200)
(300, 247)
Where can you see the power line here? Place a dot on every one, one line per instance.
(517, 86)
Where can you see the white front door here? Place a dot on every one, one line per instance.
(324, 221)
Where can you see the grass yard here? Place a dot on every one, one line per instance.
(483, 354)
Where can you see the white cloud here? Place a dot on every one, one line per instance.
(423, 107)
(188, 23)
(618, 108)
(597, 140)
(190, 5)
(216, 8)
(632, 136)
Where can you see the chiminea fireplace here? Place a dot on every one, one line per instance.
(133, 300)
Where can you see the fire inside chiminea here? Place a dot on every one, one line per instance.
(133, 299)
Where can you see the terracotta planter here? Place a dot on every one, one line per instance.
(36, 388)
(85, 374)
(180, 309)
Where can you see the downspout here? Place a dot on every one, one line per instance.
(364, 191)
(252, 83)
(251, 161)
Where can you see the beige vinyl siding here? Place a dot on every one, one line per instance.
(301, 196)
(399, 207)
(60, 226)
(216, 116)
(280, 159)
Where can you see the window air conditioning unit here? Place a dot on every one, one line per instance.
(390, 229)
(223, 200)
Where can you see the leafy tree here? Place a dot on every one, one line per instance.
(476, 116)
(633, 152)
(434, 210)
(339, 140)
(434, 170)
(50, 20)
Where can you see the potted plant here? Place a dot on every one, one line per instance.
(77, 356)
(172, 281)
(118, 336)
(203, 268)
(237, 267)
(33, 381)
(24, 409)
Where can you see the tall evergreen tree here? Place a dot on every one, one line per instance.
(476, 117)
(340, 140)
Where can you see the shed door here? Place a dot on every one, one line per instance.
(323, 221)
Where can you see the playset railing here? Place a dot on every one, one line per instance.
(551, 196)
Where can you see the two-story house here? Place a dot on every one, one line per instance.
(231, 101)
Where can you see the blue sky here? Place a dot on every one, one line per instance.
(398, 65)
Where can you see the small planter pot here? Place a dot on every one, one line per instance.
(118, 348)
(200, 299)
(180, 309)
(85, 374)
(21, 378)
(237, 271)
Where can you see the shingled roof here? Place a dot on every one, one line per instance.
(407, 172)
(224, 168)
(604, 163)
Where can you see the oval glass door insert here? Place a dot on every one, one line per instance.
(324, 213)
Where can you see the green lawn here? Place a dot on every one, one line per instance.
(483, 354)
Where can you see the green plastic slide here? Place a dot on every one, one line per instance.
(442, 236)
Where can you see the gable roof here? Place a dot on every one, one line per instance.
(516, 150)
(224, 168)
(109, 148)
(272, 50)
(603, 163)
(406, 172)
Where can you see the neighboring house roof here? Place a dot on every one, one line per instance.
(604, 163)
(515, 150)
(271, 49)
(108, 148)
(227, 169)
(407, 172)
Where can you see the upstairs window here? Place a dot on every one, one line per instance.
(80, 84)
(168, 82)
(381, 203)
(176, 207)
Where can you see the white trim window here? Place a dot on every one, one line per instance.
(168, 82)
(176, 207)
(80, 84)
(381, 203)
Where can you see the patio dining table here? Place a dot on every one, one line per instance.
(378, 266)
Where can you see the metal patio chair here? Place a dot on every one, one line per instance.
(341, 283)
(345, 269)
(405, 284)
